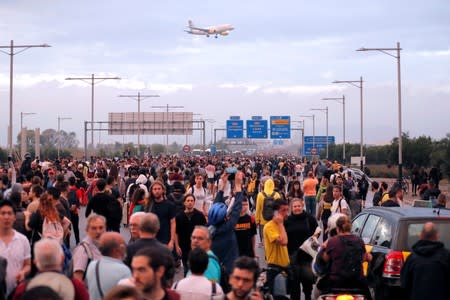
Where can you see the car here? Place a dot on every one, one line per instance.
(357, 174)
(389, 233)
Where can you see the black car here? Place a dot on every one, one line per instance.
(389, 233)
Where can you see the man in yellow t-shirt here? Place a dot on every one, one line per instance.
(276, 240)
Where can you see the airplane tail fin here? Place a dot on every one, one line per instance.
(191, 24)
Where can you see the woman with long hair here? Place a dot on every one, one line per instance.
(295, 191)
(137, 201)
(300, 225)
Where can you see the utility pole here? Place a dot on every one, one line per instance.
(59, 132)
(359, 85)
(11, 54)
(399, 101)
(92, 81)
(341, 100)
(167, 107)
(138, 98)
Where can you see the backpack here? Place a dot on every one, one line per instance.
(90, 257)
(52, 230)
(224, 276)
(351, 268)
(267, 211)
(72, 198)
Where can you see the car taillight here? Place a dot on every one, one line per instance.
(393, 264)
(342, 297)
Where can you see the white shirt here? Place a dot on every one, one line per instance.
(200, 197)
(335, 206)
(16, 252)
(196, 287)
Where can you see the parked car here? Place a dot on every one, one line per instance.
(389, 233)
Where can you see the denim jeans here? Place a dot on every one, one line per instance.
(310, 202)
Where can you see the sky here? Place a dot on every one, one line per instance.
(281, 59)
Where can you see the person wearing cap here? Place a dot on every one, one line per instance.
(49, 260)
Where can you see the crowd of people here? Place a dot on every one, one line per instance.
(205, 216)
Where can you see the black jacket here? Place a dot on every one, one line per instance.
(426, 273)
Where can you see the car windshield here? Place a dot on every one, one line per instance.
(414, 230)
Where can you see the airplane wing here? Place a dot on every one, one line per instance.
(200, 29)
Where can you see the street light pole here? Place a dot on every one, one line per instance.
(59, 132)
(139, 98)
(11, 54)
(399, 92)
(358, 84)
(92, 81)
(326, 112)
(341, 100)
(314, 128)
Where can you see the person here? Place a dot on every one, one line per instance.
(441, 201)
(377, 193)
(49, 260)
(243, 279)
(74, 197)
(14, 247)
(426, 272)
(122, 292)
(200, 194)
(324, 211)
(432, 192)
(148, 230)
(201, 239)
(264, 195)
(245, 230)
(105, 273)
(149, 266)
(309, 190)
(276, 241)
(165, 211)
(345, 254)
(40, 293)
(99, 204)
(224, 243)
(186, 222)
(435, 175)
(300, 225)
(363, 188)
(137, 201)
(87, 250)
(394, 195)
(133, 226)
(339, 205)
(324, 183)
(295, 191)
(177, 196)
(197, 286)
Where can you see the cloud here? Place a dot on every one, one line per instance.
(250, 88)
(435, 53)
(303, 89)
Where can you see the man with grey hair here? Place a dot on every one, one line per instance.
(103, 274)
(49, 260)
(88, 250)
(426, 272)
(201, 238)
(148, 229)
(133, 225)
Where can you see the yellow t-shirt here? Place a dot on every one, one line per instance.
(276, 254)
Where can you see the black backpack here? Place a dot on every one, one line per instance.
(267, 211)
(72, 198)
(352, 263)
(224, 276)
(114, 210)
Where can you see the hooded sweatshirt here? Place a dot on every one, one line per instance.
(426, 272)
(268, 190)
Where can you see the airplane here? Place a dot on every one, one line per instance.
(222, 29)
